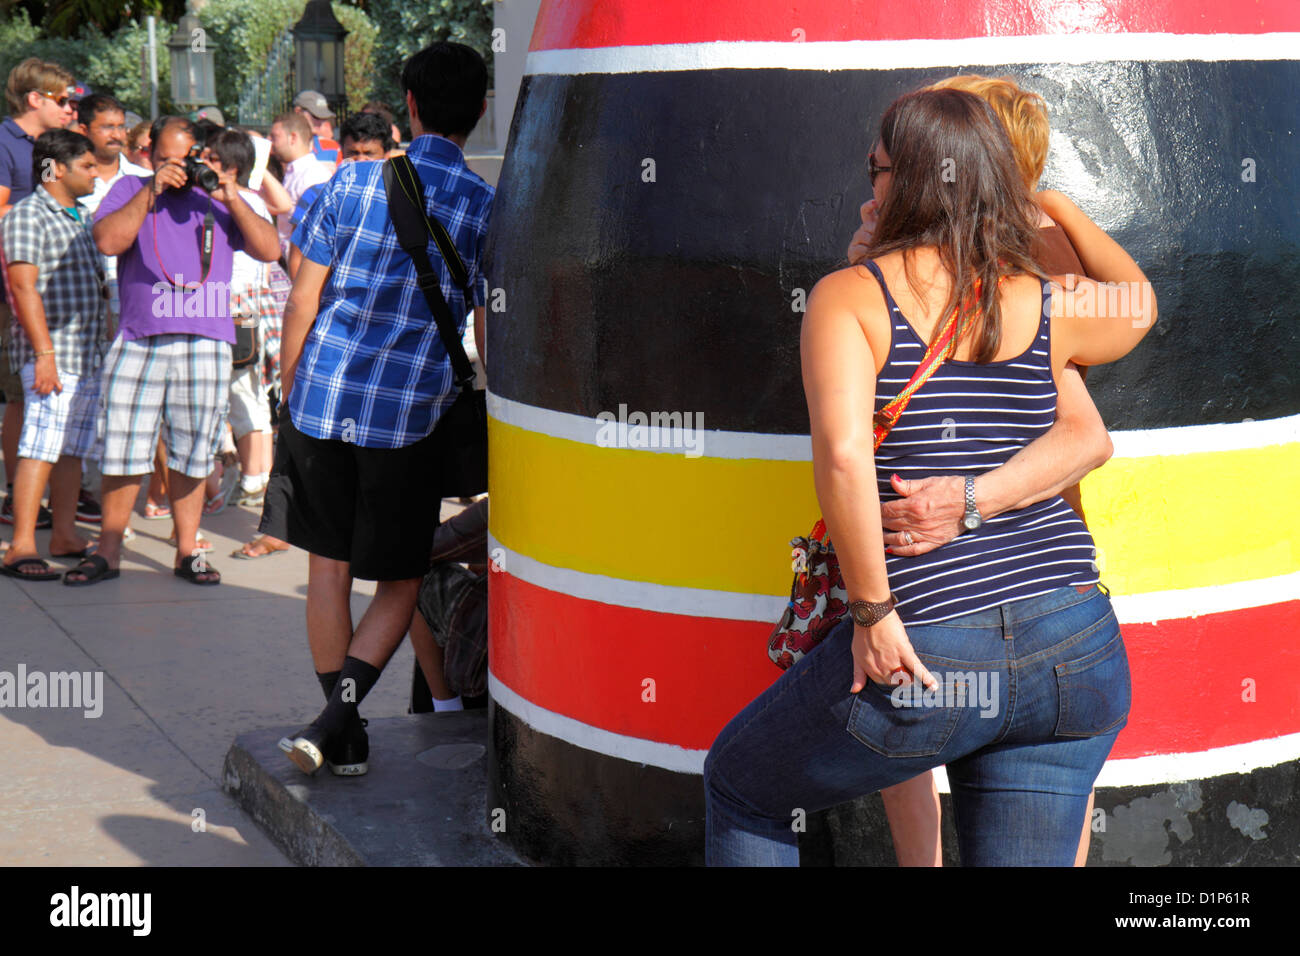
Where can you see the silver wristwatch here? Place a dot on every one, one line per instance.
(971, 519)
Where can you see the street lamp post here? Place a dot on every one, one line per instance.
(193, 81)
(318, 54)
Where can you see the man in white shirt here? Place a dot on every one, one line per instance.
(102, 120)
(291, 142)
(250, 410)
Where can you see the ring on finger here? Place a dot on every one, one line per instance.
(907, 537)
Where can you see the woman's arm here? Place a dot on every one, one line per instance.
(1103, 318)
(931, 509)
(275, 196)
(840, 384)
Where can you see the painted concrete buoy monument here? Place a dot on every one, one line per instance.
(678, 176)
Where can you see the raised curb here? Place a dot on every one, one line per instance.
(423, 802)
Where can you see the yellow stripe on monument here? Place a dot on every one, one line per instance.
(714, 523)
(1194, 520)
(1161, 523)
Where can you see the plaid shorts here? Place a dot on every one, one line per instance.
(60, 423)
(176, 379)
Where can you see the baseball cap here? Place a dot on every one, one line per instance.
(314, 104)
(79, 91)
(210, 113)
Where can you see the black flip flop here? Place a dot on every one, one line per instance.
(89, 550)
(15, 570)
(186, 571)
(95, 569)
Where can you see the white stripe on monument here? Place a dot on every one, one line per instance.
(880, 55)
(1141, 443)
(1127, 772)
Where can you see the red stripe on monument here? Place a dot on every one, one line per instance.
(589, 661)
(1213, 680)
(607, 23)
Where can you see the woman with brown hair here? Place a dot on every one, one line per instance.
(995, 654)
(930, 513)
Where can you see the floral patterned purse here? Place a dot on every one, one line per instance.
(818, 597)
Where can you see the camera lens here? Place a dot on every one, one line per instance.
(201, 175)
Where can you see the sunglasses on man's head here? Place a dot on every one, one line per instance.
(60, 99)
(873, 170)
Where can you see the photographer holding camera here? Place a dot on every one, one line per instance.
(175, 235)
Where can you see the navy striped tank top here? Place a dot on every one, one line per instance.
(969, 418)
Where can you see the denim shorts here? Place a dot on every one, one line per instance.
(1031, 696)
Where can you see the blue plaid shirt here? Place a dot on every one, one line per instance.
(373, 370)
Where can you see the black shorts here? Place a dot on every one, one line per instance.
(376, 508)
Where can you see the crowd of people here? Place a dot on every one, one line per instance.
(168, 283)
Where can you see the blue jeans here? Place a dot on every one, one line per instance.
(1032, 695)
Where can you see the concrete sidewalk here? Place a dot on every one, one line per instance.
(185, 671)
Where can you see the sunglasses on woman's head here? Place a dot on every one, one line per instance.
(60, 100)
(873, 170)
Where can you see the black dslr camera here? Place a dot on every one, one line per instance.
(199, 173)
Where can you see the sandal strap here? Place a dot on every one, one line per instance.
(92, 563)
(27, 562)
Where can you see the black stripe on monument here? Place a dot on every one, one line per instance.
(558, 804)
(676, 294)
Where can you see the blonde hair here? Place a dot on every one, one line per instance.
(34, 74)
(1024, 114)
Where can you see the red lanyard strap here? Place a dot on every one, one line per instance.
(939, 350)
(205, 250)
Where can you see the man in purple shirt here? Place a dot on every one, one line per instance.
(175, 244)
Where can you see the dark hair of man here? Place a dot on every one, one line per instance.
(207, 129)
(90, 106)
(380, 109)
(449, 82)
(60, 145)
(956, 187)
(364, 127)
(234, 150)
(164, 123)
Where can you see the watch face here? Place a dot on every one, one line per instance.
(860, 616)
(971, 522)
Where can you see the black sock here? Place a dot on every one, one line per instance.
(354, 681)
(327, 681)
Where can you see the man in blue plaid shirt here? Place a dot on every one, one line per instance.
(366, 377)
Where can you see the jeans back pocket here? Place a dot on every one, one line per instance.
(892, 723)
(1095, 692)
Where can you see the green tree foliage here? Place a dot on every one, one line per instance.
(408, 26)
(64, 18)
(358, 54)
(112, 63)
(381, 35)
(243, 31)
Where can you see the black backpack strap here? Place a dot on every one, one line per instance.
(406, 210)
